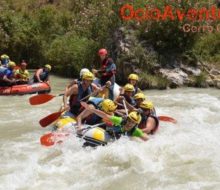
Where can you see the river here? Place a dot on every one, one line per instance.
(182, 156)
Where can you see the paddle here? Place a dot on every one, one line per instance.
(51, 138)
(54, 116)
(50, 118)
(42, 98)
(167, 118)
(161, 118)
(126, 109)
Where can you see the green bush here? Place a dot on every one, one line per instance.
(69, 53)
(200, 80)
(208, 48)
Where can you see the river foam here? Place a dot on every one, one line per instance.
(185, 155)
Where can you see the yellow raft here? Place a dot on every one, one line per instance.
(66, 125)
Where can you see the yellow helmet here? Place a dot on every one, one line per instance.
(4, 56)
(135, 117)
(48, 66)
(147, 105)
(133, 77)
(108, 106)
(139, 96)
(88, 76)
(11, 64)
(129, 88)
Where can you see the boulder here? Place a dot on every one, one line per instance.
(210, 82)
(214, 72)
(191, 70)
(176, 76)
(217, 82)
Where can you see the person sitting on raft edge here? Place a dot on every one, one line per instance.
(42, 74)
(80, 91)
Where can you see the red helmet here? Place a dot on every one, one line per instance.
(103, 51)
(24, 64)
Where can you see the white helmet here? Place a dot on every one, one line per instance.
(84, 70)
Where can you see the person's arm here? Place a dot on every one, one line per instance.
(108, 118)
(6, 79)
(72, 83)
(100, 113)
(140, 134)
(27, 75)
(150, 125)
(69, 92)
(38, 72)
(95, 87)
(85, 113)
(129, 106)
(144, 137)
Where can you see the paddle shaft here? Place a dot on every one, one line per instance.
(96, 91)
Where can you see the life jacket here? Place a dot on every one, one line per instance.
(108, 71)
(136, 90)
(74, 101)
(130, 100)
(6, 71)
(116, 131)
(2, 71)
(20, 74)
(143, 122)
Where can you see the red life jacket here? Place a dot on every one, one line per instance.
(106, 76)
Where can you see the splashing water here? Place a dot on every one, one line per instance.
(185, 155)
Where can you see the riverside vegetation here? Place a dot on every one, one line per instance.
(67, 35)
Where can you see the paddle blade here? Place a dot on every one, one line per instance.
(47, 140)
(53, 138)
(50, 119)
(40, 99)
(168, 119)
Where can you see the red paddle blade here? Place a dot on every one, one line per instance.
(49, 119)
(167, 118)
(53, 138)
(47, 140)
(40, 99)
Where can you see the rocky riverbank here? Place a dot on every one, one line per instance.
(140, 57)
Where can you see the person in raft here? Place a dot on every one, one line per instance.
(107, 71)
(4, 60)
(7, 75)
(121, 125)
(80, 91)
(42, 74)
(106, 105)
(133, 79)
(149, 123)
(22, 74)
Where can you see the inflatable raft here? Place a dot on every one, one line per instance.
(25, 89)
(66, 126)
